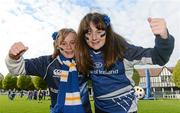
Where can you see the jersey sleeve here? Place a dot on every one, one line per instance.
(159, 55)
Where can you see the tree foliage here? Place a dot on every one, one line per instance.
(24, 82)
(176, 74)
(136, 77)
(10, 81)
(1, 86)
(39, 83)
(1, 79)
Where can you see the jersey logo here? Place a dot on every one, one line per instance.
(98, 64)
(57, 72)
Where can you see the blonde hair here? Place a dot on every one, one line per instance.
(61, 35)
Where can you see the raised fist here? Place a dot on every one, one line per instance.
(17, 50)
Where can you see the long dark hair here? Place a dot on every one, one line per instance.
(61, 35)
(113, 49)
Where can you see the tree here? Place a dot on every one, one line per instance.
(176, 74)
(10, 81)
(31, 85)
(39, 83)
(136, 77)
(24, 82)
(1, 83)
(1, 76)
(1, 79)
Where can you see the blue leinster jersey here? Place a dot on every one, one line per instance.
(113, 89)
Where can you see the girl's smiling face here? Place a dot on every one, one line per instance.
(95, 38)
(67, 46)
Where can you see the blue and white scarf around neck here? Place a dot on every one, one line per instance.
(68, 99)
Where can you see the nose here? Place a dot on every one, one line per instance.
(69, 46)
(94, 36)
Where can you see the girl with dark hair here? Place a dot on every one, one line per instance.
(109, 60)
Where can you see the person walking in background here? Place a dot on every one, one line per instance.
(21, 93)
(30, 95)
(35, 94)
(44, 94)
(40, 96)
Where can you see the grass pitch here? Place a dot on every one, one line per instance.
(22, 105)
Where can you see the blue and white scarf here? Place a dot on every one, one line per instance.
(68, 99)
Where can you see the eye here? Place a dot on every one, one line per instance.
(63, 43)
(72, 42)
(88, 34)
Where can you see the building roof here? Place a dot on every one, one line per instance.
(154, 72)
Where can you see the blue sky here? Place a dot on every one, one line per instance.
(33, 21)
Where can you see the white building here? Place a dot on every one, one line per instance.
(161, 82)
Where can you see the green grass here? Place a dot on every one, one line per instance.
(159, 106)
(22, 105)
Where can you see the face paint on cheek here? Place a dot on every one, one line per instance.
(102, 35)
(60, 48)
(86, 38)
